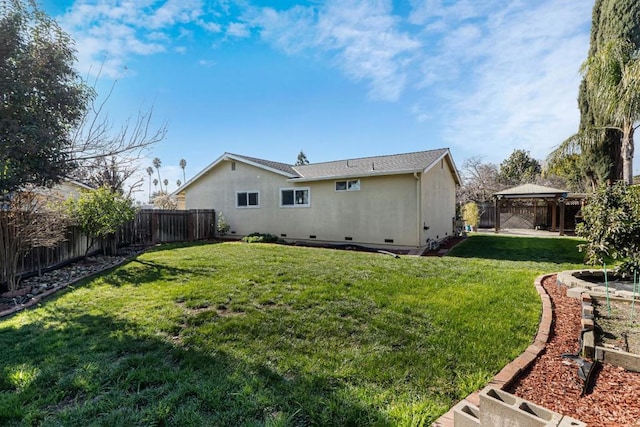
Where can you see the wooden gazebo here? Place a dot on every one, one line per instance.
(554, 200)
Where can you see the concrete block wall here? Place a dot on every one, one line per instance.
(500, 409)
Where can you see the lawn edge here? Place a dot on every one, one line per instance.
(512, 371)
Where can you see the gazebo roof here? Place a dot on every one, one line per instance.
(531, 191)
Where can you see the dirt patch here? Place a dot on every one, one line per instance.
(553, 382)
(620, 324)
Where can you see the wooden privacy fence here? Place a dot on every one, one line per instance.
(164, 226)
(149, 227)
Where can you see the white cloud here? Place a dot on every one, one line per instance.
(109, 32)
(508, 79)
(238, 30)
(362, 37)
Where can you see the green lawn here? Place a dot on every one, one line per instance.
(249, 334)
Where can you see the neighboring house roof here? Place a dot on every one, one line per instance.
(420, 161)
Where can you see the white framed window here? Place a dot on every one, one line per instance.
(248, 199)
(295, 197)
(350, 185)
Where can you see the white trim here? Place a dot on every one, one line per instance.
(294, 189)
(247, 192)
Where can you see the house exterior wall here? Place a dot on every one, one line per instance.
(438, 201)
(385, 207)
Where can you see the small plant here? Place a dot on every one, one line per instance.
(471, 215)
(223, 227)
(261, 238)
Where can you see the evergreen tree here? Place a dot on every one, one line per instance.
(302, 159)
(519, 168)
(611, 20)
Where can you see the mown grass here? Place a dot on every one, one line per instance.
(242, 334)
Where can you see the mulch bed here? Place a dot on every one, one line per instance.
(553, 382)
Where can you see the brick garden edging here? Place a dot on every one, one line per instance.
(512, 371)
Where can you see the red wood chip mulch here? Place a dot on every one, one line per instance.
(554, 384)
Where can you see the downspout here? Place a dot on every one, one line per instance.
(418, 210)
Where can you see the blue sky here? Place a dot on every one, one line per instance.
(338, 79)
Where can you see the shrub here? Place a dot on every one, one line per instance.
(261, 238)
(471, 215)
(99, 213)
(611, 226)
(223, 227)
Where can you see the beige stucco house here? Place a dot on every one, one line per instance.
(401, 200)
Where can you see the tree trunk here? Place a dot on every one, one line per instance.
(627, 155)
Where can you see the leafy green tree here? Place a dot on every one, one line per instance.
(42, 98)
(302, 159)
(519, 168)
(99, 213)
(611, 226)
(612, 76)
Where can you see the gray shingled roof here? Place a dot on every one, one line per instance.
(396, 163)
(268, 163)
(530, 189)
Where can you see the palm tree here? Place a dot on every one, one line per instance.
(613, 77)
(178, 183)
(155, 184)
(156, 164)
(183, 164)
(150, 172)
(166, 185)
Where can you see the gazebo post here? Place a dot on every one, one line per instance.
(553, 215)
(562, 206)
(497, 214)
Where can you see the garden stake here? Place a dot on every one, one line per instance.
(606, 284)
